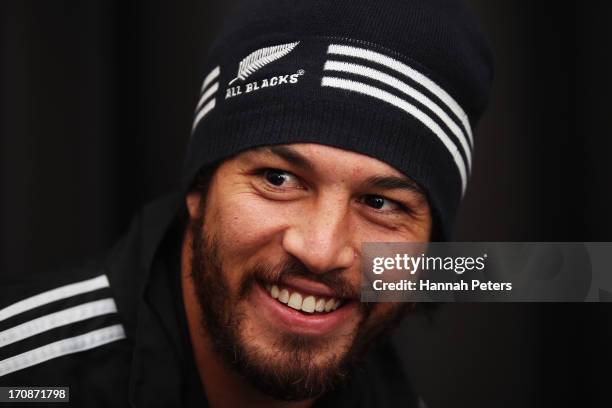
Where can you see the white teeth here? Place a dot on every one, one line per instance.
(295, 301)
(283, 296)
(308, 304)
(274, 291)
(320, 306)
(305, 303)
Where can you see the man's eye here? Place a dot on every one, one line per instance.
(279, 178)
(381, 203)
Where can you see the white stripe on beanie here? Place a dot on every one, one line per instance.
(409, 72)
(208, 90)
(385, 96)
(408, 90)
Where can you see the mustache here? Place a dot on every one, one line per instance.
(292, 267)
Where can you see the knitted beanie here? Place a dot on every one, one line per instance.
(403, 81)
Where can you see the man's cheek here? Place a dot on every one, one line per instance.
(248, 222)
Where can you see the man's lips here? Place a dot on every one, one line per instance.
(302, 312)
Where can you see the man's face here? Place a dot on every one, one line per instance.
(276, 260)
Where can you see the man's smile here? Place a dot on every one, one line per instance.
(303, 311)
(301, 301)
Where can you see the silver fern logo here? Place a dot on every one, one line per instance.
(260, 58)
(257, 60)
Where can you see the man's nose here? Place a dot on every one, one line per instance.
(322, 238)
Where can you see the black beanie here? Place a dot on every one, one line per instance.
(403, 81)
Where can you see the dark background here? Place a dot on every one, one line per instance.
(96, 103)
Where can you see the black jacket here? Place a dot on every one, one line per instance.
(115, 332)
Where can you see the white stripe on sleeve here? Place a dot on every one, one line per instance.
(57, 319)
(61, 348)
(49, 296)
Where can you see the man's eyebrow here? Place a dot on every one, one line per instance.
(380, 182)
(393, 183)
(290, 156)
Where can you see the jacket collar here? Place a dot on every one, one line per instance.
(156, 370)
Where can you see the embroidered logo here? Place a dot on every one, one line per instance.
(257, 60)
(262, 57)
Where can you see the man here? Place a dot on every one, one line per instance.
(320, 125)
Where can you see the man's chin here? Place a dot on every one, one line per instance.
(287, 364)
(293, 367)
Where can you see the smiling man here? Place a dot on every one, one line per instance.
(320, 125)
(271, 266)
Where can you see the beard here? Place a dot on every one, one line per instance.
(292, 367)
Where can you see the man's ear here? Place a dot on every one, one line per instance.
(193, 200)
